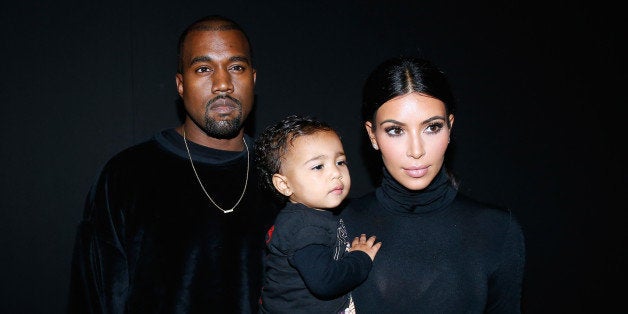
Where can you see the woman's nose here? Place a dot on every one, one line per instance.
(415, 148)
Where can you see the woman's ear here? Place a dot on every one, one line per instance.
(281, 184)
(369, 130)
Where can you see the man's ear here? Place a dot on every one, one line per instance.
(179, 81)
(281, 184)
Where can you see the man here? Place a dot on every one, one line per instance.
(176, 224)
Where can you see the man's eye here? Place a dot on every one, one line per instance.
(238, 68)
(203, 69)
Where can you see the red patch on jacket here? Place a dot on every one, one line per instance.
(269, 233)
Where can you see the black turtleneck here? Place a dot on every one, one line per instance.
(396, 197)
(442, 252)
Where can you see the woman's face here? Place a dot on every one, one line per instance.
(412, 134)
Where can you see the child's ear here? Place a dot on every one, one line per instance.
(281, 184)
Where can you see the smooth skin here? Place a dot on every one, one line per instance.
(412, 131)
(217, 84)
(366, 245)
(314, 171)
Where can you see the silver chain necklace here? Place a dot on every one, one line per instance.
(201, 183)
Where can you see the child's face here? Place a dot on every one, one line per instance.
(314, 171)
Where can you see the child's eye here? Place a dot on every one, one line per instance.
(341, 163)
(317, 167)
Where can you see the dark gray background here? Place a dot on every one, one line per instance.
(538, 129)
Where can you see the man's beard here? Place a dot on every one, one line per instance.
(223, 129)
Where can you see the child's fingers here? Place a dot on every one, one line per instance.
(371, 240)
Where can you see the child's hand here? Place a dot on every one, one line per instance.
(367, 246)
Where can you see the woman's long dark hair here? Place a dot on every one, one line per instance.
(403, 75)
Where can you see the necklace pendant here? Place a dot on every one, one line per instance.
(246, 180)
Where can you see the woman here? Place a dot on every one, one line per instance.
(442, 251)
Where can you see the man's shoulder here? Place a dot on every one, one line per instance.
(133, 153)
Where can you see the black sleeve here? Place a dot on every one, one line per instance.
(99, 272)
(327, 278)
(504, 295)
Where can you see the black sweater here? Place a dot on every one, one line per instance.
(151, 242)
(308, 269)
(441, 252)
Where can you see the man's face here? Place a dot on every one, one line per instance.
(217, 81)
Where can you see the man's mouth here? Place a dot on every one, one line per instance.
(223, 104)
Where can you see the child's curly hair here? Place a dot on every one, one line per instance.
(273, 144)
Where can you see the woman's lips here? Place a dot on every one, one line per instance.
(416, 172)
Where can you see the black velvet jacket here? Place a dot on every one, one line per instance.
(150, 241)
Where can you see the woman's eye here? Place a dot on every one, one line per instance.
(394, 130)
(434, 128)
